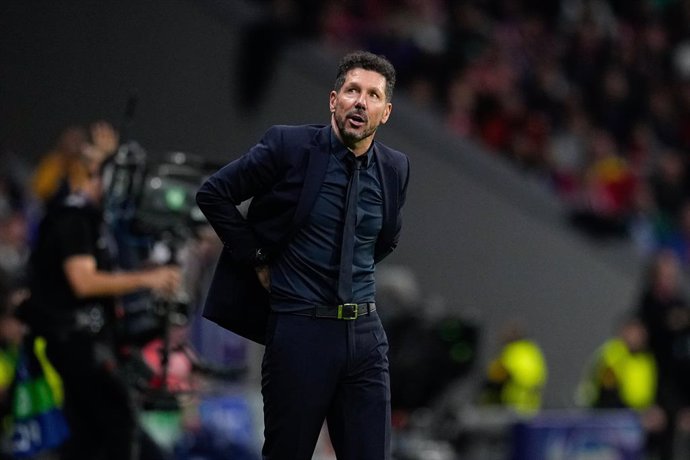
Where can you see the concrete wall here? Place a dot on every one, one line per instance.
(482, 240)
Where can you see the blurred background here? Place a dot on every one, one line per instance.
(548, 204)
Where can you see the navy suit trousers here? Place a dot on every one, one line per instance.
(321, 369)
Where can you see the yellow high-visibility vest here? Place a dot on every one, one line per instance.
(526, 375)
(633, 374)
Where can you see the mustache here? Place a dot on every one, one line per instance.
(357, 113)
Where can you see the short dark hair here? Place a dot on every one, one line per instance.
(367, 61)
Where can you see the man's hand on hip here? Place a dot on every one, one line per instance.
(264, 275)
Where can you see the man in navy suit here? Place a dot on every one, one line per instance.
(297, 271)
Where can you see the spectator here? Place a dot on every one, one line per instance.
(12, 332)
(14, 244)
(63, 169)
(61, 166)
(646, 222)
(460, 102)
(15, 341)
(608, 184)
(677, 237)
(664, 310)
(567, 152)
(668, 181)
(623, 374)
(516, 377)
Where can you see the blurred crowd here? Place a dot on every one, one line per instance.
(589, 97)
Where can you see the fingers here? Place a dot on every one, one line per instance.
(264, 275)
(167, 280)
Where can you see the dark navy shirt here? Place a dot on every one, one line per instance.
(306, 272)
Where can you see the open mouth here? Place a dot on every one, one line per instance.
(357, 120)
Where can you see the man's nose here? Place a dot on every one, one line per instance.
(361, 103)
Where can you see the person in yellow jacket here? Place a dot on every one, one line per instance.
(622, 372)
(63, 169)
(516, 377)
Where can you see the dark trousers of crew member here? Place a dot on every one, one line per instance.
(98, 407)
(317, 369)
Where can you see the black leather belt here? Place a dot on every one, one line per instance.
(346, 311)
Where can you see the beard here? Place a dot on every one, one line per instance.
(353, 135)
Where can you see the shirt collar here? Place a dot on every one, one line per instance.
(341, 152)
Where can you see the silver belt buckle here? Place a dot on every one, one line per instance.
(348, 311)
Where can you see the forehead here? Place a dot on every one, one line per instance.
(368, 78)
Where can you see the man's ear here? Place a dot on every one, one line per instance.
(386, 113)
(331, 101)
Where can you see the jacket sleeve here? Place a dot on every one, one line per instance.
(221, 194)
(404, 179)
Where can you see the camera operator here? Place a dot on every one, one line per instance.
(74, 300)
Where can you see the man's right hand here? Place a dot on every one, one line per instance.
(264, 275)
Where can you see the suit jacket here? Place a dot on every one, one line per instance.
(282, 176)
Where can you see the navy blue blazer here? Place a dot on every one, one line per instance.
(282, 175)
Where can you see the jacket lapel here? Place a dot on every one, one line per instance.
(317, 162)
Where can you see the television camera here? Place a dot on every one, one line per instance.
(154, 200)
(151, 212)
